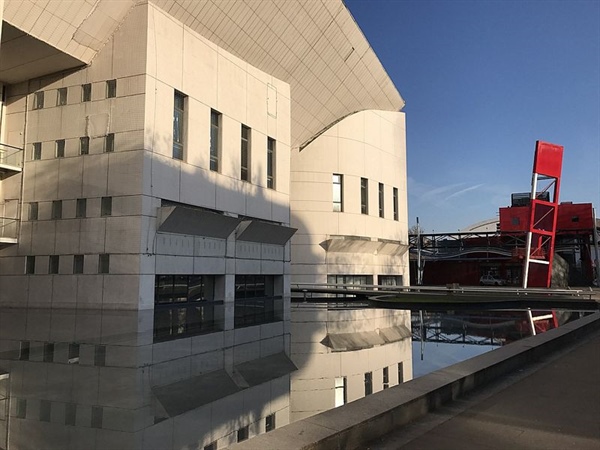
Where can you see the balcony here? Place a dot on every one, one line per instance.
(11, 160)
(9, 222)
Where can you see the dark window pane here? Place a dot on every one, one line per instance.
(86, 92)
(60, 148)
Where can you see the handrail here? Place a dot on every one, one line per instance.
(5, 223)
(11, 157)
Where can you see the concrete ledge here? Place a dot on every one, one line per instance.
(357, 423)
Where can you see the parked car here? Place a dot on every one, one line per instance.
(491, 280)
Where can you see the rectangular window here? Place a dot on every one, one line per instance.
(368, 383)
(73, 354)
(38, 100)
(381, 200)
(111, 88)
(242, 434)
(178, 125)
(395, 203)
(61, 96)
(53, 262)
(106, 206)
(341, 391)
(245, 154)
(81, 208)
(84, 145)
(103, 263)
(30, 265)
(100, 355)
(60, 148)
(338, 192)
(86, 92)
(386, 377)
(33, 211)
(24, 351)
(270, 423)
(97, 414)
(109, 143)
(21, 408)
(45, 408)
(400, 372)
(70, 414)
(364, 196)
(271, 163)
(390, 280)
(215, 139)
(37, 151)
(78, 264)
(49, 352)
(56, 209)
(255, 302)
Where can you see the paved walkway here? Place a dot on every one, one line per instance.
(552, 404)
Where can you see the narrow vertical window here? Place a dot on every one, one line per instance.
(341, 391)
(245, 157)
(100, 355)
(271, 163)
(38, 100)
(103, 263)
(53, 263)
(270, 423)
(395, 203)
(21, 408)
(24, 351)
(368, 383)
(81, 208)
(178, 125)
(109, 143)
(78, 264)
(400, 372)
(33, 210)
(381, 200)
(338, 188)
(386, 377)
(111, 88)
(86, 92)
(70, 414)
(49, 352)
(364, 196)
(215, 138)
(37, 151)
(97, 413)
(45, 409)
(106, 206)
(84, 145)
(242, 434)
(73, 354)
(56, 209)
(61, 96)
(60, 148)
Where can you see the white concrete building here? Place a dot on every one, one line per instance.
(145, 167)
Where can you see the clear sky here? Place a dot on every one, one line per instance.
(483, 80)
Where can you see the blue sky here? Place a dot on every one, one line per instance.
(483, 80)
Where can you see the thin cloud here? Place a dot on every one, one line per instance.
(462, 191)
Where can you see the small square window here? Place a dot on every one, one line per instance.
(111, 88)
(270, 423)
(78, 264)
(84, 145)
(109, 143)
(106, 206)
(38, 100)
(37, 151)
(86, 92)
(103, 263)
(33, 211)
(60, 148)
(53, 263)
(30, 265)
(242, 434)
(56, 209)
(81, 208)
(61, 96)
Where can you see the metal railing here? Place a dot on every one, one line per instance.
(11, 155)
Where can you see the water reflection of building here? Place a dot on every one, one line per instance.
(344, 354)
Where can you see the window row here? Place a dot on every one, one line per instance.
(52, 354)
(56, 212)
(365, 280)
(179, 132)
(84, 147)
(187, 305)
(338, 196)
(341, 384)
(243, 433)
(78, 264)
(39, 97)
(45, 412)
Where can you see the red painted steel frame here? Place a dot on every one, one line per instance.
(543, 215)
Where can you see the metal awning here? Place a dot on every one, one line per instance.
(196, 222)
(343, 342)
(266, 233)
